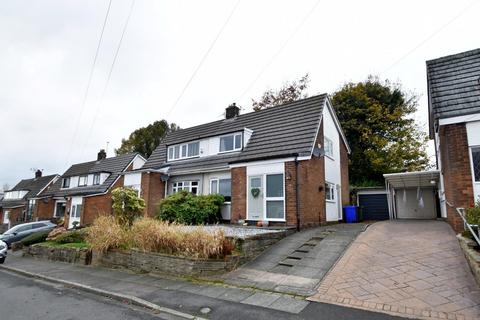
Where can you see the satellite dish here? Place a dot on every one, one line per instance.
(318, 152)
(164, 177)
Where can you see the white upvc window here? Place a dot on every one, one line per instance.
(476, 163)
(184, 151)
(232, 142)
(65, 183)
(329, 191)
(82, 180)
(223, 187)
(328, 147)
(275, 197)
(190, 186)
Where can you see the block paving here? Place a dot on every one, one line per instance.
(414, 269)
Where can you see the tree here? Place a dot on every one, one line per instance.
(127, 205)
(377, 118)
(146, 139)
(291, 91)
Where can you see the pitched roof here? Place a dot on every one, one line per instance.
(286, 130)
(454, 85)
(33, 186)
(112, 165)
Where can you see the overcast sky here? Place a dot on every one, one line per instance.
(47, 49)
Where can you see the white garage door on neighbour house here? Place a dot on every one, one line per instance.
(416, 204)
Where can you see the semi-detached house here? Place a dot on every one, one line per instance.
(83, 192)
(287, 165)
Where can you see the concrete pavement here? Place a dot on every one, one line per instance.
(408, 268)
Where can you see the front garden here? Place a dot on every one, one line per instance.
(183, 239)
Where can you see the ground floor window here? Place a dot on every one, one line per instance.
(329, 191)
(223, 187)
(30, 209)
(476, 163)
(275, 200)
(59, 209)
(76, 211)
(190, 186)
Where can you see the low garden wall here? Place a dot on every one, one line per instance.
(252, 246)
(150, 262)
(70, 255)
(472, 255)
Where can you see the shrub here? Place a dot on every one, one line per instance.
(107, 233)
(472, 215)
(186, 208)
(76, 236)
(52, 236)
(159, 236)
(127, 205)
(36, 237)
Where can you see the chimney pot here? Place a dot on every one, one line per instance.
(38, 174)
(101, 155)
(232, 111)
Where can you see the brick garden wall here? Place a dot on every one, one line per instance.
(456, 171)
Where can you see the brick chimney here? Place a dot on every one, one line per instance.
(232, 111)
(38, 174)
(101, 155)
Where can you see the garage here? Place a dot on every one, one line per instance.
(373, 204)
(413, 195)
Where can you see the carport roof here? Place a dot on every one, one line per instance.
(412, 179)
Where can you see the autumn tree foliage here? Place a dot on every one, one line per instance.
(290, 91)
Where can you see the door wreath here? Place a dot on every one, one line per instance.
(255, 192)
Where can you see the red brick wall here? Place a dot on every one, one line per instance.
(16, 214)
(456, 171)
(290, 193)
(344, 174)
(153, 191)
(98, 205)
(239, 194)
(44, 209)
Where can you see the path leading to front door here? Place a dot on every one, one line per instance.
(297, 263)
(409, 268)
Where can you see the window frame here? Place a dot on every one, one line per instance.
(85, 176)
(186, 185)
(183, 146)
(66, 185)
(217, 191)
(96, 179)
(328, 142)
(332, 188)
(233, 135)
(267, 198)
(472, 164)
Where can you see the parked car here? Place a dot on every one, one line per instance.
(23, 230)
(3, 251)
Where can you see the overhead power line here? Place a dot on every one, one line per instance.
(433, 34)
(90, 77)
(280, 49)
(202, 60)
(99, 106)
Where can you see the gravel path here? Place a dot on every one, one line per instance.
(237, 232)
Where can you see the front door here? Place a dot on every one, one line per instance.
(74, 218)
(255, 198)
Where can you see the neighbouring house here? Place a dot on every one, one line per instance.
(84, 191)
(454, 113)
(21, 204)
(287, 165)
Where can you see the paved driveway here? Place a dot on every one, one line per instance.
(410, 268)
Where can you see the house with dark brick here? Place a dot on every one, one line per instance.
(286, 165)
(84, 191)
(21, 203)
(454, 113)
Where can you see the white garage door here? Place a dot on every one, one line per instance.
(411, 207)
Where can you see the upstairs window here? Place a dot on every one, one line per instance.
(231, 142)
(328, 147)
(82, 181)
(184, 151)
(66, 183)
(96, 179)
(476, 163)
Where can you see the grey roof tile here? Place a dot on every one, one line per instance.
(33, 186)
(454, 85)
(285, 130)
